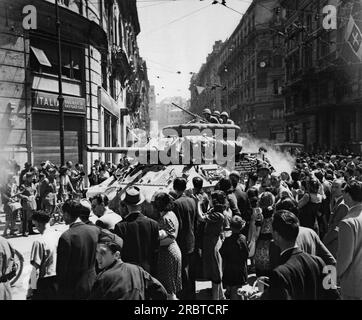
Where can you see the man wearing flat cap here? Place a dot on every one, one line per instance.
(118, 280)
(139, 233)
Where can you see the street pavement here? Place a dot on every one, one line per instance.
(24, 244)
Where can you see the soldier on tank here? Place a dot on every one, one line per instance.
(225, 118)
(206, 114)
(208, 117)
(215, 118)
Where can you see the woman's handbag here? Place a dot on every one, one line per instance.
(14, 206)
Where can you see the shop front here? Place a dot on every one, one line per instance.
(45, 128)
(109, 124)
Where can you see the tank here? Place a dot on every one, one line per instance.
(190, 150)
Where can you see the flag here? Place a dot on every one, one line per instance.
(352, 46)
(200, 89)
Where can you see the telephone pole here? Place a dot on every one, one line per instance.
(60, 87)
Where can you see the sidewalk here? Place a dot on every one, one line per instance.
(2, 223)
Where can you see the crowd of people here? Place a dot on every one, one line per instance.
(33, 188)
(285, 228)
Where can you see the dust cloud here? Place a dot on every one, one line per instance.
(281, 161)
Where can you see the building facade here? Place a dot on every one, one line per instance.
(252, 70)
(323, 90)
(205, 85)
(168, 114)
(249, 69)
(98, 51)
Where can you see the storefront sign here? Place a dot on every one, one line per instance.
(49, 102)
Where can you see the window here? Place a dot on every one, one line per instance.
(309, 23)
(295, 102)
(276, 86)
(277, 61)
(71, 60)
(44, 58)
(306, 97)
(262, 80)
(325, 44)
(308, 57)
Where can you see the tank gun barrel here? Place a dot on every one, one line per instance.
(117, 149)
(194, 115)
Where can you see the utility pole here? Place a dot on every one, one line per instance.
(60, 87)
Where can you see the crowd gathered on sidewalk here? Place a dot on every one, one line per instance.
(286, 228)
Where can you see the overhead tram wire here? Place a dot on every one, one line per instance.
(178, 19)
(154, 5)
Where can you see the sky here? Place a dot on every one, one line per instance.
(177, 35)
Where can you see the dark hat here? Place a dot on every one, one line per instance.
(107, 236)
(132, 196)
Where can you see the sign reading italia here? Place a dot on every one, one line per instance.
(49, 102)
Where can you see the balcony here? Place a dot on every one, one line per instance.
(120, 63)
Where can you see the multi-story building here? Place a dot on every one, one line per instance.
(152, 109)
(248, 72)
(251, 69)
(98, 50)
(137, 96)
(169, 114)
(205, 85)
(323, 90)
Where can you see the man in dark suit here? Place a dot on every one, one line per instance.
(118, 280)
(300, 275)
(225, 185)
(339, 211)
(76, 255)
(241, 198)
(186, 211)
(139, 233)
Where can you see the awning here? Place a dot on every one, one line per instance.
(41, 56)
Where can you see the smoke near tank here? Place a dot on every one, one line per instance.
(281, 161)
